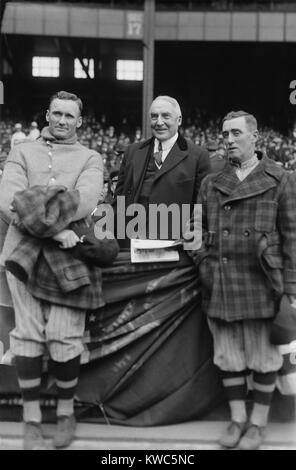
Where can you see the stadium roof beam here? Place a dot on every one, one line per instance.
(81, 21)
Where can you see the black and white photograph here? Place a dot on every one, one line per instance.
(147, 228)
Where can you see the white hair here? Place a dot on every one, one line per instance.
(171, 100)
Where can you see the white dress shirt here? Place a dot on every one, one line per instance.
(247, 167)
(166, 146)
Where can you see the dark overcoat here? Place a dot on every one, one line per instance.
(248, 258)
(177, 182)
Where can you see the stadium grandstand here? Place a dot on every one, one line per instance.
(229, 55)
(213, 57)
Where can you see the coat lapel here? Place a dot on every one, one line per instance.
(174, 157)
(140, 162)
(227, 181)
(257, 182)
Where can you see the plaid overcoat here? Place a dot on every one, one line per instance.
(248, 257)
(50, 273)
(54, 275)
(43, 211)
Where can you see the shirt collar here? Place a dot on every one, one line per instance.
(46, 134)
(253, 161)
(167, 145)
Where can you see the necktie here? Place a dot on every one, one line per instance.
(158, 155)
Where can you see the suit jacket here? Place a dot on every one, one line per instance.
(178, 181)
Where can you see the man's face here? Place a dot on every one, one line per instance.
(239, 139)
(63, 118)
(164, 119)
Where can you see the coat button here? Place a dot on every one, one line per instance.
(227, 208)
(50, 154)
(225, 233)
(247, 233)
(224, 260)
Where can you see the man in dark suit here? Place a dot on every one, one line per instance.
(165, 169)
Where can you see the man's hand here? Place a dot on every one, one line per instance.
(66, 238)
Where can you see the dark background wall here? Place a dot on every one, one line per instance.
(26, 95)
(220, 76)
(210, 76)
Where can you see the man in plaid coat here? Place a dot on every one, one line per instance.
(55, 159)
(246, 263)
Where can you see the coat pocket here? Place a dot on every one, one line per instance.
(185, 181)
(76, 273)
(271, 262)
(265, 217)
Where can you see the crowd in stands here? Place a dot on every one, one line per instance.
(111, 142)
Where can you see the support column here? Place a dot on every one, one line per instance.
(148, 58)
(2, 8)
(1, 77)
